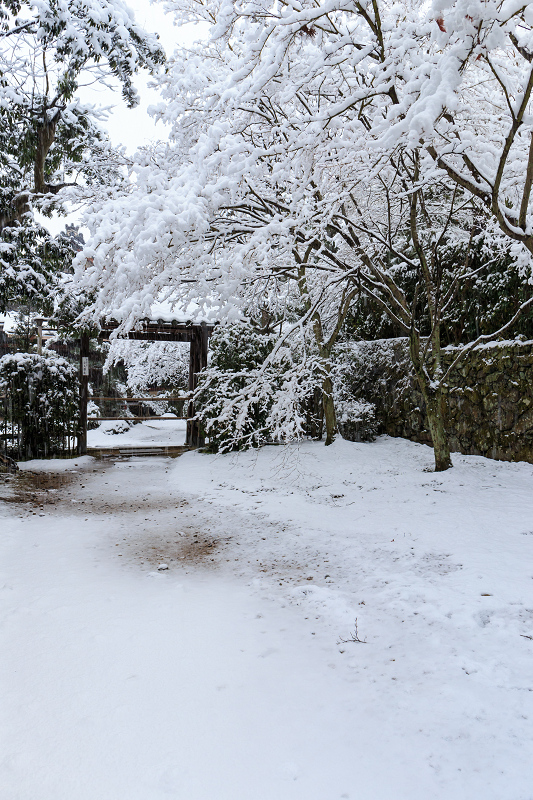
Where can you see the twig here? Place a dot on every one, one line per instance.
(354, 637)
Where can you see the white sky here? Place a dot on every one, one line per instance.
(134, 128)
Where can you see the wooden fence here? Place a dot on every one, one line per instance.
(29, 436)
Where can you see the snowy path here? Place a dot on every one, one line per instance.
(220, 678)
(122, 682)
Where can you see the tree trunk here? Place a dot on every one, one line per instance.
(436, 421)
(318, 414)
(20, 207)
(324, 347)
(46, 134)
(434, 400)
(329, 410)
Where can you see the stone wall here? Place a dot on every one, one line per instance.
(489, 399)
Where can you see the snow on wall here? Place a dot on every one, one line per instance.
(489, 400)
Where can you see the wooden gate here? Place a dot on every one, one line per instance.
(196, 333)
(68, 436)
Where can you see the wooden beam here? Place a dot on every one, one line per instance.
(173, 398)
(198, 362)
(151, 336)
(156, 330)
(84, 393)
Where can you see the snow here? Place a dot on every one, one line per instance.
(156, 433)
(170, 312)
(226, 675)
(10, 321)
(56, 464)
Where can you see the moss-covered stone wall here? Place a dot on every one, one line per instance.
(489, 399)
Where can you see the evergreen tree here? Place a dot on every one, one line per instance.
(51, 144)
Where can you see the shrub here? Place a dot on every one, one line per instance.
(356, 418)
(42, 403)
(254, 391)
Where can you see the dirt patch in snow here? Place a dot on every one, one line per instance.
(75, 491)
(34, 488)
(119, 505)
(161, 526)
(182, 549)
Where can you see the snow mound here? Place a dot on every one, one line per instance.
(56, 464)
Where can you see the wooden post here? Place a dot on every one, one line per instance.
(39, 322)
(197, 362)
(192, 426)
(84, 392)
(203, 345)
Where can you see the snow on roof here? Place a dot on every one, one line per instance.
(169, 313)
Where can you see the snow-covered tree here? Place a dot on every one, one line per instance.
(325, 145)
(467, 100)
(50, 140)
(31, 264)
(256, 389)
(42, 393)
(164, 365)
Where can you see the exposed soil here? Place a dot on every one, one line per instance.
(35, 489)
(188, 547)
(161, 539)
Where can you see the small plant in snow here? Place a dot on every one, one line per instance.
(353, 637)
(115, 426)
(92, 411)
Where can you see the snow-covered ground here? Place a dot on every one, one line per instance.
(225, 677)
(154, 433)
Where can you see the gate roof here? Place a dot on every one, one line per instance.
(158, 330)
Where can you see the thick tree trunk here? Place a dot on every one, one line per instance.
(20, 206)
(436, 421)
(45, 138)
(21, 203)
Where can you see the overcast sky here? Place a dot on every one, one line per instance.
(134, 127)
